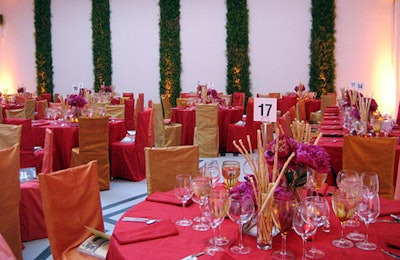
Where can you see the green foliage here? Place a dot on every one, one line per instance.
(101, 41)
(237, 45)
(170, 49)
(44, 59)
(1, 19)
(322, 47)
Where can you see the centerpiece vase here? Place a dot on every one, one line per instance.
(265, 225)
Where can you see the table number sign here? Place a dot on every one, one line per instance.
(265, 110)
(75, 89)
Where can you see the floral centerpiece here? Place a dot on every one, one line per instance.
(212, 96)
(299, 89)
(75, 100)
(107, 89)
(20, 90)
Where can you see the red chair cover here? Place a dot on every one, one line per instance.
(238, 99)
(127, 158)
(130, 114)
(240, 131)
(141, 98)
(285, 103)
(128, 94)
(115, 101)
(46, 96)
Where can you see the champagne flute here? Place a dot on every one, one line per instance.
(368, 211)
(318, 179)
(282, 214)
(303, 224)
(241, 210)
(215, 211)
(344, 205)
(201, 187)
(318, 211)
(184, 192)
(231, 173)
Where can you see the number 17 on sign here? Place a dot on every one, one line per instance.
(265, 112)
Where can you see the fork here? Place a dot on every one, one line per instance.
(193, 256)
(148, 221)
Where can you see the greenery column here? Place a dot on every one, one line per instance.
(44, 59)
(237, 47)
(170, 49)
(101, 41)
(322, 47)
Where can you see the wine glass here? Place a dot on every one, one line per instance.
(219, 239)
(376, 125)
(241, 210)
(318, 211)
(214, 212)
(303, 224)
(370, 181)
(369, 209)
(231, 173)
(201, 187)
(282, 214)
(184, 192)
(344, 205)
(212, 171)
(318, 179)
(350, 181)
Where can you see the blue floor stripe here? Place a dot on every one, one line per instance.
(124, 201)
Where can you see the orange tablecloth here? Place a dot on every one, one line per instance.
(66, 137)
(189, 241)
(187, 117)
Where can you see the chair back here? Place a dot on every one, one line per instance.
(327, 100)
(94, 144)
(10, 198)
(49, 149)
(115, 111)
(15, 113)
(128, 95)
(374, 155)
(206, 133)
(129, 114)
(181, 102)
(46, 96)
(163, 164)
(40, 108)
(138, 108)
(30, 107)
(166, 103)
(239, 99)
(165, 135)
(9, 135)
(274, 95)
(71, 201)
(251, 125)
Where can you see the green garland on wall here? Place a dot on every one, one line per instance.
(322, 47)
(237, 47)
(101, 41)
(170, 49)
(44, 59)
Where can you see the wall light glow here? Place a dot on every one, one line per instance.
(6, 84)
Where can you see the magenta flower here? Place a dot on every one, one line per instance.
(76, 101)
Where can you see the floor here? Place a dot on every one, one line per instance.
(121, 196)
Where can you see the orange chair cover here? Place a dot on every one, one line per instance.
(94, 145)
(30, 108)
(71, 200)
(115, 111)
(165, 135)
(166, 103)
(206, 132)
(10, 198)
(373, 155)
(163, 164)
(15, 113)
(49, 150)
(10, 135)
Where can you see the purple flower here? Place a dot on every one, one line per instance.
(244, 188)
(299, 87)
(76, 100)
(106, 89)
(373, 106)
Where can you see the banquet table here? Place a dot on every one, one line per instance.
(189, 241)
(187, 117)
(66, 137)
(10, 106)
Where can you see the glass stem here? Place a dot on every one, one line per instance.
(303, 257)
(240, 244)
(341, 230)
(183, 209)
(283, 244)
(313, 247)
(214, 236)
(366, 231)
(219, 231)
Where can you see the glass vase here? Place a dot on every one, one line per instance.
(265, 226)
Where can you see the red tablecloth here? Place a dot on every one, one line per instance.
(187, 117)
(189, 241)
(66, 137)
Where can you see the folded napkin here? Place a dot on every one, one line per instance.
(332, 132)
(331, 127)
(389, 207)
(167, 198)
(393, 240)
(160, 229)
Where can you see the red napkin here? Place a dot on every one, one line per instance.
(393, 240)
(331, 127)
(167, 198)
(389, 207)
(160, 229)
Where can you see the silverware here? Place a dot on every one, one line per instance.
(389, 221)
(390, 254)
(395, 217)
(148, 221)
(193, 256)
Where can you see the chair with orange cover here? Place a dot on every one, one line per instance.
(48, 151)
(30, 108)
(166, 103)
(94, 145)
(15, 113)
(163, 164)
(240, 130)
(10, 198)
(115, 111)
(165, 134)
(373, 155)
(10, 135)
(71, 201)
(206, 131)
(127, 157)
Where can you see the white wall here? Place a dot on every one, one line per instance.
(279, 45)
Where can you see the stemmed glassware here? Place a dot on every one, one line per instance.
(212, 171)
(231, 173)
(201, 187)
(184, 192)
(318, 179)
(344, 205)
(282, 214)
(369, 207)
(303, 223)
(317, 210)
(241, 210)
(214, 212)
